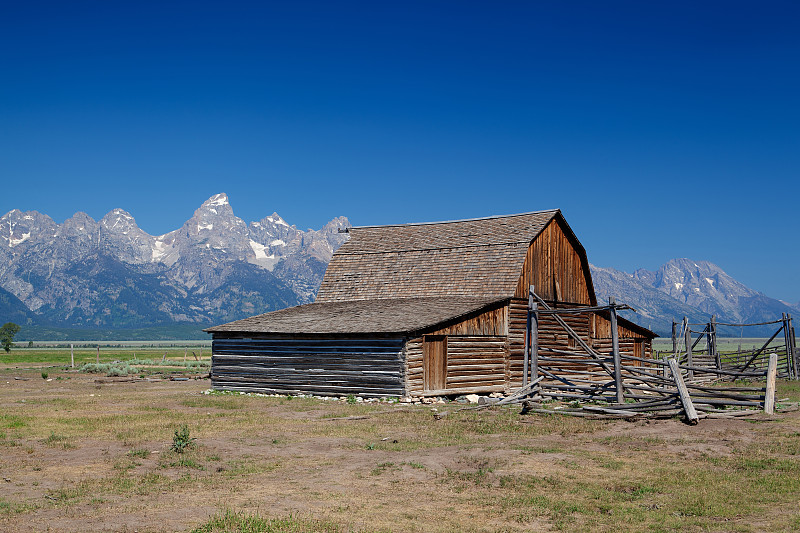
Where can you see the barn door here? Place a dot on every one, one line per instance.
(434, 362)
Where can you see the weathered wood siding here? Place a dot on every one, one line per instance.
(555, 268)
(600, 328)
(594, 329)
(494, 322)
(474, 364)
(324, 366)
(551, 335)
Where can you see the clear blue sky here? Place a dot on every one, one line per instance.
(661, 130)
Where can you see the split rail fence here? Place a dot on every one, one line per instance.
(606, 381)
(703, 350)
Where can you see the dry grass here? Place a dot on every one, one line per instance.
(78, 455)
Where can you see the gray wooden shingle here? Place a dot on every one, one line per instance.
(402, 315)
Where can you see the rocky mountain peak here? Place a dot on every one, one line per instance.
(111, 273)
(685, 287)
(118, 221)
(18, 227)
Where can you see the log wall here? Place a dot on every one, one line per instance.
(551, 335)
(474, 364)
(334, 367)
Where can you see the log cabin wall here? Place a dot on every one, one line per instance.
(323, 366)
(550, 335)
(556, 268)
(475, 356)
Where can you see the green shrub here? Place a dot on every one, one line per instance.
(110, 369)
(181, 441)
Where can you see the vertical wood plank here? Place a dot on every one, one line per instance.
(674, 337)
(534, 335)
(615, 350)
(688, 339)
(769, 393)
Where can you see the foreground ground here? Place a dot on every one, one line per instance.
(87, 453)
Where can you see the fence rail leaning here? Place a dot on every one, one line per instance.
(590, 371)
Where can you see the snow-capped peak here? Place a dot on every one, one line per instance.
(276, 219)
(217, 199)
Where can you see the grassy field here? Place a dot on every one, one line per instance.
(724, 344)
(51, 356)
(84, 452)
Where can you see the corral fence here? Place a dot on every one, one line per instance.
(602, 379)
(699, 347)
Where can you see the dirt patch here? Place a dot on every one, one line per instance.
(81, 455)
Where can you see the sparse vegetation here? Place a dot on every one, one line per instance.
(109, 369)
(181, 441)
(84, 452)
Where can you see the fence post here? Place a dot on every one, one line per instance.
(72, 354)
(769, 393)
(688, 337)
(795, 365)
(535, 340)
(713, 336)
(791, 357)
(787, 335)
(674, 337)
(615, 350)
(526, 353)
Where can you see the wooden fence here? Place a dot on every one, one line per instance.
(703, 350)
(631, 385)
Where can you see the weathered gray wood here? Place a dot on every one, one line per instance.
(526, 355)
(370, 367)
(674, 337)
(686, 400)
(534, 339)
(689, 361)
(764, 347)
(615, 350)
(713, 338)
(795, 365)
(769, 393)
(578, 339)
(72, 355)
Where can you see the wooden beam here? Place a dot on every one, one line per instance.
(688, 339)
(755, 355)
(615, 350)
(769, 393)
(534, 337)
(686, 400)
(578, 339)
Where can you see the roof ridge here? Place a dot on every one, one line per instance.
(492, 217)
(479, 245)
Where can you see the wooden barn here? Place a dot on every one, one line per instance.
(423, 310)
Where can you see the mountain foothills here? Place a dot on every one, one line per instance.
(111, 274)
(695, 289)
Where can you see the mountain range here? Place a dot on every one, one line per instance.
(110, 274)
(694, 289)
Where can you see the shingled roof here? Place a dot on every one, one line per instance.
(404, 315)
(465, 258)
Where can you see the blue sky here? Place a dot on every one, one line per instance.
(660, 129)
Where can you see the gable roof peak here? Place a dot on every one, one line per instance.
(476, 219)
